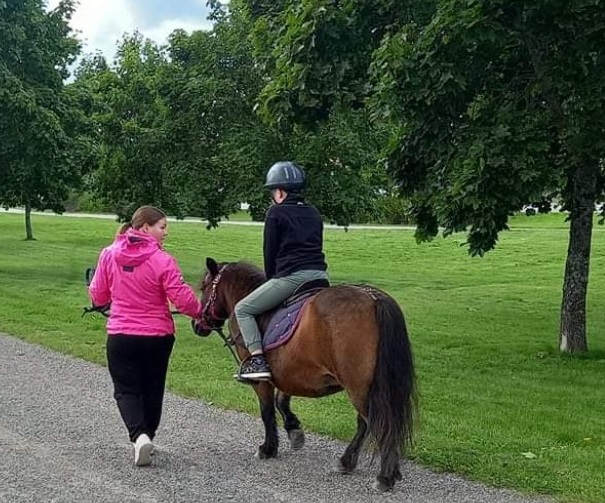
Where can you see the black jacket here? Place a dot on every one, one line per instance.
(293, 239)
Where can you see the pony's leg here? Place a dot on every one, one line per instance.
(348, 462)
(291, 423)
(266, 392)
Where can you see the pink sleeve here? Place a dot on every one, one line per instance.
(99, 291)
(178, 292)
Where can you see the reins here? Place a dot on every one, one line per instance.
(104, 310)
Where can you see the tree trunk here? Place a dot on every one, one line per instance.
(572, 337)
(29, 233)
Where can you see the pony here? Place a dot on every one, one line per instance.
(349, 337)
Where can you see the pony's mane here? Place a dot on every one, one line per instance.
(247, 274)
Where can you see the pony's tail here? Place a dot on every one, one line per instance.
(393, 396)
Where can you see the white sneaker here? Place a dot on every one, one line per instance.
(142, 450)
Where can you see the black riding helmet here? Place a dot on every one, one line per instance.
(285, 175)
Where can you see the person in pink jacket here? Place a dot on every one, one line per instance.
(139, 279)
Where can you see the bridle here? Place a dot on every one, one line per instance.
(211, 320)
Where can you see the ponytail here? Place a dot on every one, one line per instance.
(124, 227)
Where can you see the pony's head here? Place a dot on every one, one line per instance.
(223, 285)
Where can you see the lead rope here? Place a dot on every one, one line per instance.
(228, 342)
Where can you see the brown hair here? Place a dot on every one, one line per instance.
(149, 215)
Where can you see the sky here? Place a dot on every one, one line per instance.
(101, 23)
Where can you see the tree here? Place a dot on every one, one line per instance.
(217, 138)
(129, 114)
(222, 147)
(178, 128)
(491, 105)
(36, 162)
(333, 137)
(505, 104)
(171, 122)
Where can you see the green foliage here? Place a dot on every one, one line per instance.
(179, 129)
(219, 140)
(490, 105)
(393, 210)
(317, 53)
(495, 105)
(128, 114)
(307, 53)
(340, 157)
(85, 202)
(39, 141)
(177, 126)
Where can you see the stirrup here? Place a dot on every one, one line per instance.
(242, 380)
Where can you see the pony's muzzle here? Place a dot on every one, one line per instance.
(199, 329)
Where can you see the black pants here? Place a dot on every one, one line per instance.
(138, 367)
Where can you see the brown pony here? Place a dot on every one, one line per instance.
(350, 338)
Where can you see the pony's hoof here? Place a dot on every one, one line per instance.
(382, 486)
(398, 475)
(341, 468)
(297, 439)
(261, 454)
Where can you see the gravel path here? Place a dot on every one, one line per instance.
(62, 441)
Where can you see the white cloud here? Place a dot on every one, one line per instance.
(101, 24)
(160, 32)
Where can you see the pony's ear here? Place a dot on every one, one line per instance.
(212, 266)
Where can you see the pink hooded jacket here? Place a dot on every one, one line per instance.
(138, 278)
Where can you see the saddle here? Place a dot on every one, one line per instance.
(278, 325)
(305, 290)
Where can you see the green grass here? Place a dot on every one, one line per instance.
(240, 216)
(493, 387)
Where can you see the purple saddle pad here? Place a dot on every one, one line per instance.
(282, 324)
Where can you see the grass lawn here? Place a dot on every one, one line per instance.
(498, 404)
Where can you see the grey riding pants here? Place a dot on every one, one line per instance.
(267, 296)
